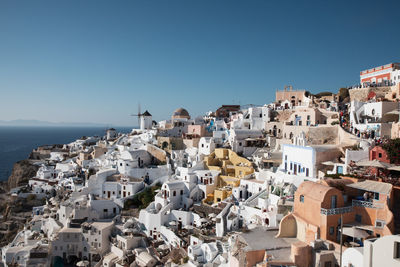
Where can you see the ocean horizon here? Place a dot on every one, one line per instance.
(17, 142)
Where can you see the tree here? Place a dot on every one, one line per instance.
(392, 148)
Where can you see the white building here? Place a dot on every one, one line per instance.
(246, 141)
(111, 134)
(206, 145)
(383, 251)
(146, 121)
(369, 118)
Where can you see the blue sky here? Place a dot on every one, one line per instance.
(93, 60)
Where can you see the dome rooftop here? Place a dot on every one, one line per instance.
(181, 113)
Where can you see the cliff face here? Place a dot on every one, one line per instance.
(22, 171)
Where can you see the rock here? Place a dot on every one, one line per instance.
(22, 171)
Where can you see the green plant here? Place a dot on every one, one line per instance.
(392, 148)
(142, 199)
(334, 122)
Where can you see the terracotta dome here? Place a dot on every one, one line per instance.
(181, 113)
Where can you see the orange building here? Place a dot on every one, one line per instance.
(318, 208)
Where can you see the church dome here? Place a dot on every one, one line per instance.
(181, 113)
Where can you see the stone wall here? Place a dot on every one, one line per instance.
(361, 94)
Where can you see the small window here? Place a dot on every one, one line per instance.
(376, 196)
(174, 193)
(302, 198)
(396, 250)
(331, 230)
(379, 224)
(380, 155)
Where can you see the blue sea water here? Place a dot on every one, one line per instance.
(16, 143)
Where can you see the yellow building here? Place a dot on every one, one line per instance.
(231, 167)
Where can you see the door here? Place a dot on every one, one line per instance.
(340, 169)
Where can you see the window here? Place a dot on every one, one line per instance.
(333, 202)
(396, 250)
(331, 230)
(302, 198)
(358, 218)
(379, 223)
(380, 155)
(376, 196)
(105, 210)
(181, 192)
(174, 193)
(307, 172)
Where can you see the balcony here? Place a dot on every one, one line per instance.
(355, 203)
(367, 204)
(336, 210)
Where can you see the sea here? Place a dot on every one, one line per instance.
(17, 142)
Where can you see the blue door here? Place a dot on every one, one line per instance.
(340, 169)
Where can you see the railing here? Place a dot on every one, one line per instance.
(367, 204)
(355, 203)
(336, 210)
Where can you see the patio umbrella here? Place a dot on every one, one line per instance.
(82, 263)
(394, 168)
(393, 112)
(373, 163)
(329, 163)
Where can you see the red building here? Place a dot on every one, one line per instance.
(379, 153)
(380, 74)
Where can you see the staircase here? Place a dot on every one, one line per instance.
(220, 248)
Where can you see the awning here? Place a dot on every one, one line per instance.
(373, 186)
(354, 232)
(373, 163)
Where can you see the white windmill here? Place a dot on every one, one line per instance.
(145, 119)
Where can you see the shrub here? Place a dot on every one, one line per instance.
(392, 148)
(334, 122)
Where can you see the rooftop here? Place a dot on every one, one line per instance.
(373, 186)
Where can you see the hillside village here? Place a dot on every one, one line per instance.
(308, 180)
